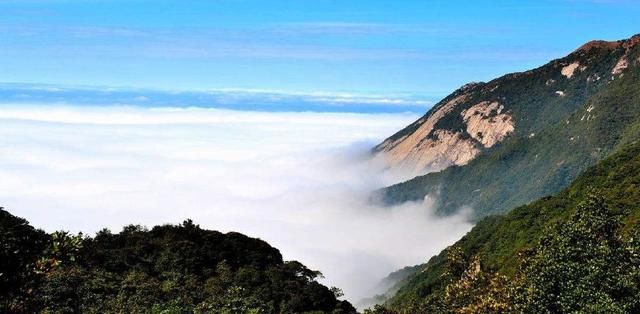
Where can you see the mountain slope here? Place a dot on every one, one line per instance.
(168, 269)
(550, 123)
(503, 254)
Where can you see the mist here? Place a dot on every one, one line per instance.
(300, 181)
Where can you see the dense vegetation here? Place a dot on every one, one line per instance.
(556, 137)
(168, 269)
(577, 251)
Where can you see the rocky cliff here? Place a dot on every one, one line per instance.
(425, 147)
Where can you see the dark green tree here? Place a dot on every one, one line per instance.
(21, 246)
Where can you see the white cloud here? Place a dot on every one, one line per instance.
(228, 98)
(297, 180)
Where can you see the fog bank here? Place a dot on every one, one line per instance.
(297, 180)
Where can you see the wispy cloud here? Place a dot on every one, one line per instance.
(242, 99)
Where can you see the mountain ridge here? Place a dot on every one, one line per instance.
(551, 122)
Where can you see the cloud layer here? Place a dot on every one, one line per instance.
(233, 99)
(297, 180)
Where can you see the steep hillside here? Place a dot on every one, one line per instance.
(573, 252)
(389, 286)
(168, 269)
(504, 143)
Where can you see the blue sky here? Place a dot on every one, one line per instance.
(409, 47)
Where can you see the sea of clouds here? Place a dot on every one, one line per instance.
(300, 181)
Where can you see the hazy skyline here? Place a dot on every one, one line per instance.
(382, 47)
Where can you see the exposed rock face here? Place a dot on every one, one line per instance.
(623, 63)
(570, 69)
(487, 123)
(620, 66)
(446, 148)
(427, 148)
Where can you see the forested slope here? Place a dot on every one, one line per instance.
(168, 269)
(575, 251)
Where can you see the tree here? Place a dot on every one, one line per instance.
(583, 265)
(337, 292)
(21, 246)
(64, 248)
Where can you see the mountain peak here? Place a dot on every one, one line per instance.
(604, 44)
(631, 42)
(599, 44)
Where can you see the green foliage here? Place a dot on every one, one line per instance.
(20, 248)
(582, 265)
(64, 248)
(573, 252)
(168, 269)
(234, 300)
(379, 309)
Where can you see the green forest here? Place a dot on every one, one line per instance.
(169, 269)
(575, 252)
